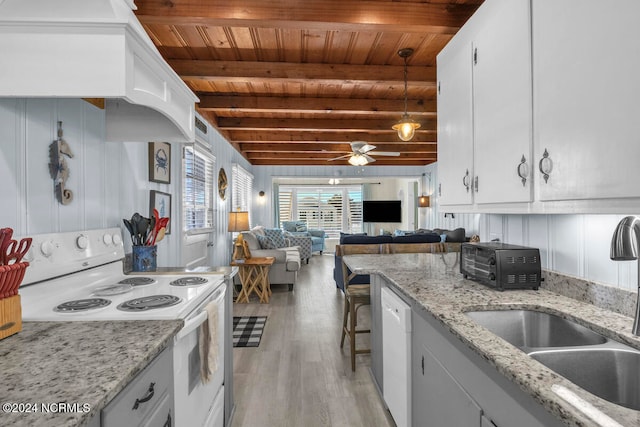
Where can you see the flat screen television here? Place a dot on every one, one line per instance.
(381, 211)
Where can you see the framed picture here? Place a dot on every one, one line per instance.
(162, 202)
(160, 162)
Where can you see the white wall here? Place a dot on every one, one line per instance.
(109, 180)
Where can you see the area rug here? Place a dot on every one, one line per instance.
(247, 330)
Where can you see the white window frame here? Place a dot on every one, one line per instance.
(206, 179)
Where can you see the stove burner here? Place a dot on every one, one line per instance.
(137, 281)
(149, 303)
(112, 290)
(189, 281)
(82, 305)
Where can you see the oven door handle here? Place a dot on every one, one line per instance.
(192, 324)
(201, 317)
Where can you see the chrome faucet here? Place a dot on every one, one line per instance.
(625, 247)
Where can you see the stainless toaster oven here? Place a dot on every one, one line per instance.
(500, 265)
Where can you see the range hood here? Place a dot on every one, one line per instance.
(94, 49)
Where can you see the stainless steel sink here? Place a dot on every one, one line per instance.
(528, 329)
(612, 374)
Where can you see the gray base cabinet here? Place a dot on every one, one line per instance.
(147, 400)
(453, 386)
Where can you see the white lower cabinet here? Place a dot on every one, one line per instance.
(452, 386)
(147, 400)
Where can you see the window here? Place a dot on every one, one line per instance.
(242, 187)
(197, 202)
(331, 208)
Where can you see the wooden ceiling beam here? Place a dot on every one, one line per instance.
(308, 147)
(269, 104)
(321, 162)
(329, 15)
(289, 72)
(243, 136)
(286, 125)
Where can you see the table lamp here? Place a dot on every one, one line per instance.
(238, 221)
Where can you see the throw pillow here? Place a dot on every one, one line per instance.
(266, 242)
(301, 227)
(276, 235)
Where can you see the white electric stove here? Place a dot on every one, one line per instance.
(78, 276)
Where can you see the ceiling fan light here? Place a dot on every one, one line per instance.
(358, 160)
(406, 128)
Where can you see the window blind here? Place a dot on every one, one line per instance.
(242, 188)
(197, 190)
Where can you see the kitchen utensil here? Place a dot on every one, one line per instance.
(4, 276)
(160, 235)
(16, 250)
(6, 235)
(143, 229)
(19, 282)
(129, 227)
(11, 287)
(135, 219)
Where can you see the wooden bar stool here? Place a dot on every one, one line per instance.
(355, 296)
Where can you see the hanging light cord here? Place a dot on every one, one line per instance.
(406, 76)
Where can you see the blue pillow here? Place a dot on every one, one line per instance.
(301, 227)
(266, 242)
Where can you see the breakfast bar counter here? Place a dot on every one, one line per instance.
(64, 373)
(433, 283)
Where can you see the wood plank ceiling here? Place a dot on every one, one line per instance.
(292, 82)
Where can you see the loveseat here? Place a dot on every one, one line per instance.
(299, 228)
(270, 242)
(423, 241)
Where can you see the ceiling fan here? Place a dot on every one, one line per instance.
(361, 153)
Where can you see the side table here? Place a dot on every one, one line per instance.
(254, 276)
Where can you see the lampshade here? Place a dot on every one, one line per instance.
(358, 160)
(238, 221)
(424, 201)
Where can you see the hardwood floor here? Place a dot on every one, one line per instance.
(299, 376)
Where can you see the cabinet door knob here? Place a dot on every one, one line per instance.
(545, 165)
(466, 180)
(523, 170)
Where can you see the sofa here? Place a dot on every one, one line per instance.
(299, 228)
(270, 242)
(421, 241)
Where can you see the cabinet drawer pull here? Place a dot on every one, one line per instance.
(523, 170)
(146, 398)
(466, 180)
(476, 184)
(545, 165)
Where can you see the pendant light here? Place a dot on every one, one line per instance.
(406, 127)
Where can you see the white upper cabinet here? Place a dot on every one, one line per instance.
(455, 120)
(502, 103)
(555, 115)
(587, 98)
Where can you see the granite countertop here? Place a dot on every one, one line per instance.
(83, 363)
(434, 282)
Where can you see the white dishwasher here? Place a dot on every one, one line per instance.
(396, 356)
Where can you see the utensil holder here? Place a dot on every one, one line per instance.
(144, 258)
(10, 316)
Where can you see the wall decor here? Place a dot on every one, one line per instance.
(222, 183)
(162, 202)
(160, 162)
(58, 168)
